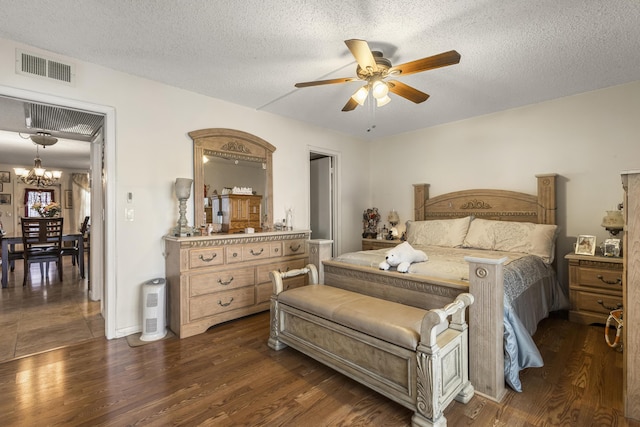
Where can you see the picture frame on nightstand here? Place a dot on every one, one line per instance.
(611, 248)
(586, 245)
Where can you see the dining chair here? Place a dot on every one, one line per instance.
(74, 251)
(42, 243)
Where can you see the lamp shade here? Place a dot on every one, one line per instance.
(183, 188)
(379, 89)
(613, 220)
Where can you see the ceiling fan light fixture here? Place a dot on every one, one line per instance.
(381, 102)
(361, 95)
(379, 89)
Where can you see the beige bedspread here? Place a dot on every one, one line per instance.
(443, 263)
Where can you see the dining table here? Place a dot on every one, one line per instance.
(9, 242)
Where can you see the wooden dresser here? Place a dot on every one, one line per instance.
(239, 211)
(213, 279)
(595, 287)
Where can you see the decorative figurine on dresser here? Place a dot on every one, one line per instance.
(223, 276)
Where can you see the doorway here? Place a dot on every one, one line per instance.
(322, 197)
(103, 212)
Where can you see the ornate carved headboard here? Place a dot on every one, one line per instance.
(501, 205)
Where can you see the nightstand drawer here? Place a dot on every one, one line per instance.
(600, 278)
(587, 301)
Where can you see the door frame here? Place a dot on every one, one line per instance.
(102, 278)
(335, 191)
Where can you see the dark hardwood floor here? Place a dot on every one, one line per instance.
(229, 377)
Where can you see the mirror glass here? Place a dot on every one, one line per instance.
(220, 173)
(228, 158)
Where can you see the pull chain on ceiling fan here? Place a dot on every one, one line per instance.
(374, 69)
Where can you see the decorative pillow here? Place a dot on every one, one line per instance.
(524, 237)
(439, 232)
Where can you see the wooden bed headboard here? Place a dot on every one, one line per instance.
(501, 205)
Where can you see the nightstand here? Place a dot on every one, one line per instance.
(371, 244)
(595, 287)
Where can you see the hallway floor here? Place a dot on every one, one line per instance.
(47, 313)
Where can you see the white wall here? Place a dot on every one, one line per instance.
(588, 139)
(153, 148)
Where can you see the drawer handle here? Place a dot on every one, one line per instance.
(294, 249)
(202, 258)
(618, 305)
(228, 282)
(235, 254)
(618, 281)
(222, 304)
(256, 253)
(280, 271)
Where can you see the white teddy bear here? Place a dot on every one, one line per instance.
(402, 256)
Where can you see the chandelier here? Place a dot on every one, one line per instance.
(38, 176)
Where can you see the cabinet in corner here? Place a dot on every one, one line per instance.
(214, 279)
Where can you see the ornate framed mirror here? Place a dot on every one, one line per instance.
(227, 158)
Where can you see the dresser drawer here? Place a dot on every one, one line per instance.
(220, 302)
(602, 278)
(587, 301)
(275, 249)
(206, 283)
(233, 254)
(265, 290)
(256, 251)
(205, 257)
(262, 274)
(295, 247)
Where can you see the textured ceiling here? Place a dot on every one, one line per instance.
(252, 52)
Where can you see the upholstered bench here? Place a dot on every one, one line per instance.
(414, 356)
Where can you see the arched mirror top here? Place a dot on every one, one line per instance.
(239, 148)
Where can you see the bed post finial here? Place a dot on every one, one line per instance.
(420, 196)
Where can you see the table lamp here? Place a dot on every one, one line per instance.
(613, 222)
(183, 192)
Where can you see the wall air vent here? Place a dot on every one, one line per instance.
(29, 64)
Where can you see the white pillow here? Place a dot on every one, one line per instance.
(509, 236)
(439, 232)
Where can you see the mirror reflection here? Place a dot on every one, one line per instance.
(233, 181)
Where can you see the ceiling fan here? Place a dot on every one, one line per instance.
(373, 68)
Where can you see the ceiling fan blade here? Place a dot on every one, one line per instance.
(326, 82)
(350, 105)
(429, 63)
(407, 91)
(361, 51)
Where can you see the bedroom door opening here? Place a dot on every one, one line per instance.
(322, 204)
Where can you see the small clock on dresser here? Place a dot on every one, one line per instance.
(595, 287)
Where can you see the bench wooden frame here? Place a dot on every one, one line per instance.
(425, 380)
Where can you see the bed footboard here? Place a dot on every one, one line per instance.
(486, 323)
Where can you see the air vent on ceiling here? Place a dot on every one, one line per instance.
(30, 64)
(58, 119)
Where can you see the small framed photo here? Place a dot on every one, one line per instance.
(611, 248)
(5, 199)
(68, 199)
(586, 245)
(5, 176)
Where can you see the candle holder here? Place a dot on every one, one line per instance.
(183, 192)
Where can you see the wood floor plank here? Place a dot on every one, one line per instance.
(228, 376)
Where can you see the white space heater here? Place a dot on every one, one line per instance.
(154, 325)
